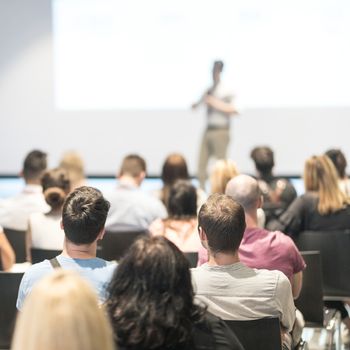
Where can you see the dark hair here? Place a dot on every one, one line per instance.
(182, 200)
(223, 221)
(174, 168)
(150, 301)
(263, 159)
(132, 165)
(219, 65)
(84, 215)
(338, 159)
(56, 186)
(34, 165)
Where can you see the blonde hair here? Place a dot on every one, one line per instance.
(223, 171)
(62, 312)
(320, 176)
(74, 165)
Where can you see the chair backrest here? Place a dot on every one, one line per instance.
(261, 334)
(310, 301)
(334, 248)
(114, 244)
(9, 285)
(39, 255)
(17, 240)
(192, 258)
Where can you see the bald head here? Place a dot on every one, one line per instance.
(245, 190)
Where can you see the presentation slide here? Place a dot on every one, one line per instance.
(157, 55)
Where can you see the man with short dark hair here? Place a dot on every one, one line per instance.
(278, 192)
(232, 290)
(83, 219)
(132, 209)
(15, 211)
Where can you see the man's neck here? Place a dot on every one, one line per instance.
(33, 182)
(222, 259)
(82, 251)
(251, 220)
(128, 181)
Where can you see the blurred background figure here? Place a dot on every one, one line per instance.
(181, 225)
(278, 192)
(7, 255)
(44, 230)
(73, 163)
(151, 303)
(15, 211)
(340, 163)
(67, 316)
(222, 172)
(175, 168)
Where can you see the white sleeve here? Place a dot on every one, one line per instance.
(284, 301)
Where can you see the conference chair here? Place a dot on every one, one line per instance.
(9, 282)
(334, 247)
(192, 258)
(115, 243)
(261, 334)
(17, 240)
(39, 255)
(310, 301)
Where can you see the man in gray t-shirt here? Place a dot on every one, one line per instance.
(215, 140)
(232, 290)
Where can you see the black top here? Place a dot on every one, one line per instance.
(303, 215)
(210, 334)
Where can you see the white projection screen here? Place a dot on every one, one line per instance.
(112, 77)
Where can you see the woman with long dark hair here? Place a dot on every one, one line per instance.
(151, 302)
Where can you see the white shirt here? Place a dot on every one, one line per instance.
(237, 292)
(46, 231)
(15, 211)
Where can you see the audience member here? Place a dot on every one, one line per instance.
(222, 172)
(340, 163)
(232, 290)
(323, 206)
(15, 211)
(132, 208)
(181, 225)
(83, 218)
(62, 312)
(73, 163)
(151, 303)
(7, 255)
(175, 168)
(278, 192)
(44, 230)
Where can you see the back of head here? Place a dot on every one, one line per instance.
(34, 165)
(66, 314)
(320, 176)
(223, 221)
(338, 159)
(174, 168)
(223, 171)
(263, 159)
(56, 186)
(84, 215)
(245, 190)
(182, 202)
(133, 165)
(74, 165)
(151, 297)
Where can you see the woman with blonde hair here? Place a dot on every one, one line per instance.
(323, 206)
(73, 163)
(62, 312)
(223, 171)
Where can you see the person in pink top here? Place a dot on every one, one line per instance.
(181, 225)
(260, 248)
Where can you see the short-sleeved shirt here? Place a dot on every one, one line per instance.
(270, 250)
(96, 271)
(237, 292)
